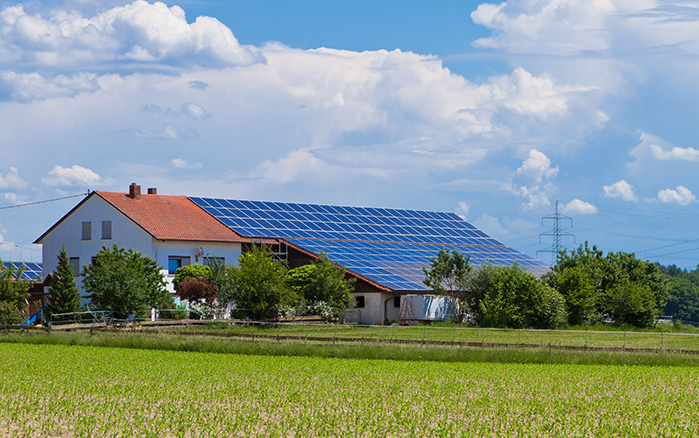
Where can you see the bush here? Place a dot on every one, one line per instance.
(324, 280)
(9, 314)
(515, 298)
(197, 272)
(125, 282)
(196, 290)
(201, 312)
(320, 308)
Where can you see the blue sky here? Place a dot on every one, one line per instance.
(494, 111)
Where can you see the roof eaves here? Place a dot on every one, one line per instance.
(38, 241)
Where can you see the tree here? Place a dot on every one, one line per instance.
(683, 302)
(125, 281)
(515, 298)
(192, 284)
(629, 302)
(614, 277)
(64, 291)
(322, 281)
(258, 284)
(576, 287)
(13, 290)
(448, 275)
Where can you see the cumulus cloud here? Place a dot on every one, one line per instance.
(579, 207)
(676, 153)
(462, 210)
(680, 195)
(11, 180)
(141, 33)
(620, 189)
(537, 196)
(179, 163)
(572, 26)
(538, 166)
(71, 176)
(188, 109)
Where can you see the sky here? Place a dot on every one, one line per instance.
(495, 111)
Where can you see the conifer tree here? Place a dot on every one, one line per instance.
(64, 290)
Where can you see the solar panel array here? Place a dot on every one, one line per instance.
(32, 271)
(390, 246)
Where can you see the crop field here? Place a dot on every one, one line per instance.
(77, 391)
(572, 338)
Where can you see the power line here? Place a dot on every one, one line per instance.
(44, 201)
(556, 233)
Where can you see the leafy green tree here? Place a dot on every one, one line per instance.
(9, 314)
(618, 274)
(258, 284)
(683, 302)
(449, 274)
(576, 287)
(515, 298)
(125, 281)
(199, 272)
(64, 291)
(322, 281)
(630, 303)
(13, 289)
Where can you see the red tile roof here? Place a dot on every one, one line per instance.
(172, 218)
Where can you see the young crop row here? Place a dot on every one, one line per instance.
(51, 390)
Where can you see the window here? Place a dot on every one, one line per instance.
(359, 302)
(174, 262)
(396, 301)
(87, 230)
(209, 261)
(75, 264)
(106, 230)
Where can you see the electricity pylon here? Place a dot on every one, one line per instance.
(556, 233)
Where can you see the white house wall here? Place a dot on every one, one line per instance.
(163, 250)
(126, 234)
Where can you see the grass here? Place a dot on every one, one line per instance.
(82, 391)
(398, 352)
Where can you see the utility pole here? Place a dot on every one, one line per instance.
(556, 233)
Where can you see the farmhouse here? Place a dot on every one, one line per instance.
(384, 249)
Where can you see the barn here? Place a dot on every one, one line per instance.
(385, 249)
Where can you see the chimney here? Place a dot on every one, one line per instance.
(135, 191)
(152, 191)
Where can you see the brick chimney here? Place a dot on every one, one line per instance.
(135, 191)
(152, 191)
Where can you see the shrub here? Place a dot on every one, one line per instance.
(9, 314)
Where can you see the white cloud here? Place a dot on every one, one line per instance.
(139, 33)
(462, 210)
(303, 165)
(179, 163)
(194, 111)
(12, 180)
(620, 189)
(188, 109)
(680, 195)
(538, 166)
(537, 196)
(676, 153)
(71, 176)
(580, 207)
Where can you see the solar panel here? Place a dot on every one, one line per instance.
(32, 271)
(390, 246)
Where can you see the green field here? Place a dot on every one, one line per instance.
(57, 390)
(458, 334)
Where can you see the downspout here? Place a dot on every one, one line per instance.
(158, 250)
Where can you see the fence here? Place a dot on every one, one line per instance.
(318, 332)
